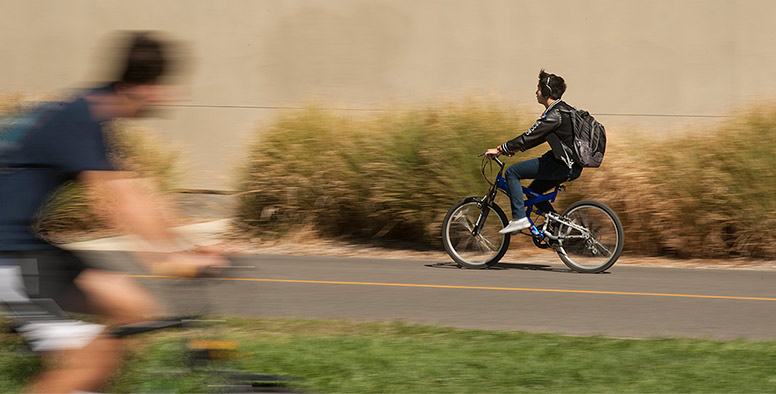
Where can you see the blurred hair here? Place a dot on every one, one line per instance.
(147, 59)
(552, 86)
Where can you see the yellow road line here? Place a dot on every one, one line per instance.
(327, 282)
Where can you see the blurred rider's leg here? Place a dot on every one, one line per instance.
(115, 300)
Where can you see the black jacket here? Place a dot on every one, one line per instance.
(554, 126)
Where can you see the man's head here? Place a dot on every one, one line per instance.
(141, 72)
(550, 86)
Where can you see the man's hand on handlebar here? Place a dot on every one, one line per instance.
(495, 152)
(190, 264)
(491, 153)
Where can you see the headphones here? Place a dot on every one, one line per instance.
(547, 84)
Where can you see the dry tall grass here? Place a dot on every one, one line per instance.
(702, 194)
(391, 175)
(394, 174)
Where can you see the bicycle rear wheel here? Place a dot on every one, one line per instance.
(469, 250)
(593, 241)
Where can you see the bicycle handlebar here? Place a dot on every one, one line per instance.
(494, 158)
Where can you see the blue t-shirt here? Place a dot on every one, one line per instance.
(64, 143)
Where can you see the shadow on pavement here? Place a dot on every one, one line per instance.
(529, 267)
(504, 266)
(511, 266)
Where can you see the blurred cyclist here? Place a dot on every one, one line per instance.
(68, 144)
(555, 166)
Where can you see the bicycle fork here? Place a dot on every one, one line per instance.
(484, 211)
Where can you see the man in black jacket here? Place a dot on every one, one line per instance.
(555, 166)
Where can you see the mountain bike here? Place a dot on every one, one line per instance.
(205, 353)
(587, 236)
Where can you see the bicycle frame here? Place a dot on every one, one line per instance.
(500, 185)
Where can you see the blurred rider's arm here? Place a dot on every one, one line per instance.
(129, 204)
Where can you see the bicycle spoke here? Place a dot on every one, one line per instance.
(464, 243)
(486, 243)
(465, 221)
(602, 247)
(468, 249)
(596, 247)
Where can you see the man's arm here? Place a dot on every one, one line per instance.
(128, 204)
(535, 135)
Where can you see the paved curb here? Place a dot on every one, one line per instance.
(207, 233)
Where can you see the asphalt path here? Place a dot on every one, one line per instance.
(539, 296)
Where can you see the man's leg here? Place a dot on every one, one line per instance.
(117, 300)
(546, 171)
(523, 170)
(85, 369)
(541, 186)
(513, 175)
(550, 174)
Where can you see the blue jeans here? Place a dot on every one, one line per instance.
(547, 172)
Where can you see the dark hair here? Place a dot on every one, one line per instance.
(552, 86)
(146, 60)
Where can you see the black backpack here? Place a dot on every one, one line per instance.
(589, 138)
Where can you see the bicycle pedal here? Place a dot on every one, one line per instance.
(213, 349)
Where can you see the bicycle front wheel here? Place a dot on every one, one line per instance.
(592, 240)
(485, 248)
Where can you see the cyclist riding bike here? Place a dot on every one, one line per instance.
(554, 167)
(67, 143)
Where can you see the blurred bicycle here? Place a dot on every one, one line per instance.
(206, 354)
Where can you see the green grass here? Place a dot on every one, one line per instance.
(348, 357)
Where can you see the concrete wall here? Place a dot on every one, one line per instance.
(656, 64)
